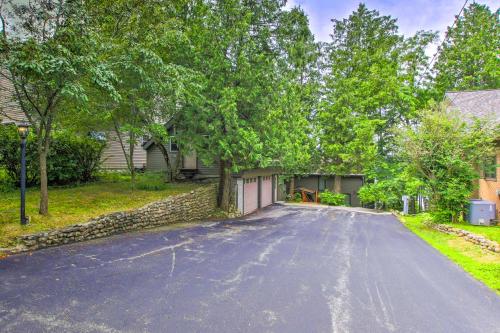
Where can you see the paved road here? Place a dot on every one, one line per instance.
(287, 269)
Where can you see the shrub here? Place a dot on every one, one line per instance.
(297, 197)
(332, 199)
(387, 193)
(443, 152)
(10, 152)
(6, 183)
(71, 158)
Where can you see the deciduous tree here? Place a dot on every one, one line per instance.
(46, 48)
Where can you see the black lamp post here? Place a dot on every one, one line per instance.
(23, 129)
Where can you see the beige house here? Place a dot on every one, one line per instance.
(112, 157)
(482, 104)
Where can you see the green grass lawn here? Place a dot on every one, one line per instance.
(492, 232)
(483, 265)
(77, 204)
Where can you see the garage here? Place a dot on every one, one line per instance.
(266, 191)
(254, 189)
(250, 195)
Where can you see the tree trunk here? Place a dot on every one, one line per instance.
(44, 191)
(131, 156)
(225, 185)
(291, 190)
(166, 157)
(178, 164)
(337, 184)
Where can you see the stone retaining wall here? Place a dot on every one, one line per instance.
(196, 205)
(470, 237)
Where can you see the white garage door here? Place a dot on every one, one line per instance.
(266, 193)
(250, 195)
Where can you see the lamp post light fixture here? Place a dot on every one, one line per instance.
(23, 130)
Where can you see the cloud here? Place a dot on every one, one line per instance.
(412, 15)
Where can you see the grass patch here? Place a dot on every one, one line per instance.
(490, 232)
(70, 205)
(482, 264)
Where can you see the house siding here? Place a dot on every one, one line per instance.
(349, 185)
(156, 161)
(113, 157)
(488, 188)
(309, 182)
(211, 169)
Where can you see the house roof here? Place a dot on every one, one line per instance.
(481, 104)
(10, 112)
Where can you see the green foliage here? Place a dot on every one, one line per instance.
(6, 183)
(369, 88)
(469, 58)
(51, 54)
(332, 199)
(443, 151)
(387, 191)
(10, 156)
(259, 86)
(147, 53)
(72, 158)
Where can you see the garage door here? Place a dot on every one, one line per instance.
(250, 195)
(266, 192)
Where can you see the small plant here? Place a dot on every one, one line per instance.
(297, 197)
(332, 199)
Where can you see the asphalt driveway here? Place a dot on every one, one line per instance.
(287, 269)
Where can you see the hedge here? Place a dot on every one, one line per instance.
(71, 159)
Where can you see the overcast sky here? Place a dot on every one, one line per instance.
(412, 15)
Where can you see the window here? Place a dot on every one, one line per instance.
(490, 168)
(173, 145)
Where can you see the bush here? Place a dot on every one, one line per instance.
(71, 158)
(10, 152)
(6, 184)
(332, 199)
(443, 152)
(297, 197)
(387, 193)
